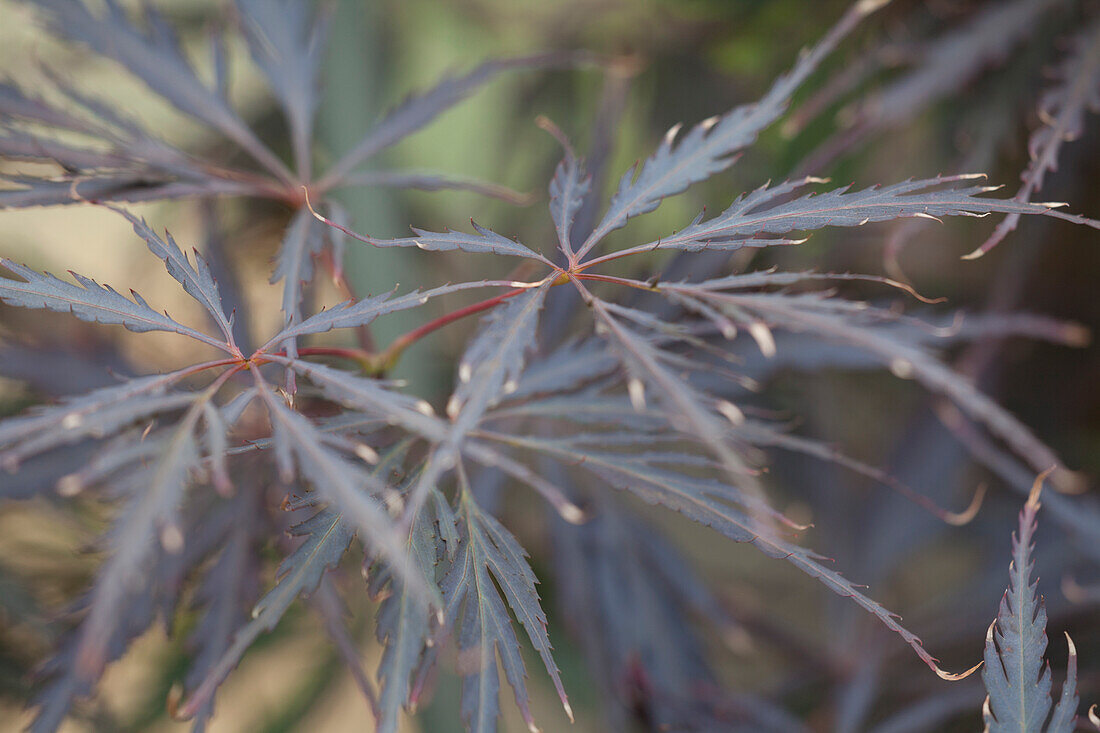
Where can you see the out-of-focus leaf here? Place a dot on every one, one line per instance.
(419, 110)
(287, 44)
(154, 56)
(1062, 110)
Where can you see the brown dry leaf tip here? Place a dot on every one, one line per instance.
(1093, 717)
(545, 123)
(975, 254)
(1073, 591)
(172, 703)
(958, 519)
(1037, 488)
(912, 291)
(1076, 334)
(959, 676)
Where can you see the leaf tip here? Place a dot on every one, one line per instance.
(958, 519)
(731, 412)
(1037, 489)
(573, 513)
(955, 677)
(763, 337)
(636, 390)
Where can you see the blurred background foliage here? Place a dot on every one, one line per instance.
(677, 61)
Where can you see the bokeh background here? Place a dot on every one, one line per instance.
(676, 61)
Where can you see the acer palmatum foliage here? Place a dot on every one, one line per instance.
(314, 450)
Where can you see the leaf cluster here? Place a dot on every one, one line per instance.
(649, 395)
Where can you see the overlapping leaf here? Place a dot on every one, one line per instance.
(97, 414)
(841, 321)
(489, 556)
(568, 189)
(404, 618)
(618, 577)
(327, 537)
(493, 361)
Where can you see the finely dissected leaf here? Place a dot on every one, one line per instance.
(566, 368)
(568, 189)
(358, 494)
(493, 361)
(109, 158)
(688, 409)
(364, 311)
(710, 506)
(649, 472)
(18, 103)
(419, 110)
(404, 619)
(197, 280)
(483, 241)
(1062, 109)
(488, 556)
(373, 398)
(288, 45)
(130, 188)
(89, 301)
(156, 59)
(327, 538)
(99, 413)
(141, 608)
(294, 265)
(766, 211)
(617, 579)
(149, 523)
(488, 369)
(709, 147)
(845, 322)
(1063, 719)
(1016, 675)
(226, 592)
